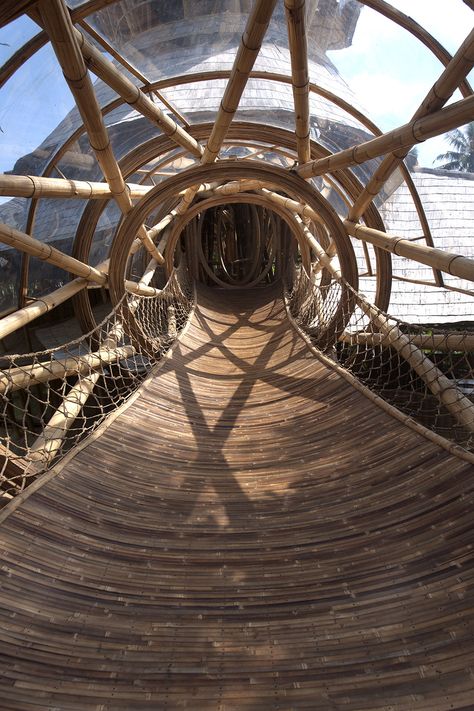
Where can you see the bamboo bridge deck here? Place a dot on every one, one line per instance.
(250, 533)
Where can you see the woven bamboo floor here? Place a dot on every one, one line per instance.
(251, 533)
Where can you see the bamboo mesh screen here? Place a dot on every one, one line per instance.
(51, 400)
(381, 352)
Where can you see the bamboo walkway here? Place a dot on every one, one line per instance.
(250, 533)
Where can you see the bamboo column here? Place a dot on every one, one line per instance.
(295, 16)
(455, 72)
(33, 186)
(251, 42)
(57, 23)
(454, 264)
(402, 137)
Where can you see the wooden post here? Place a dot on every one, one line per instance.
(454, 264)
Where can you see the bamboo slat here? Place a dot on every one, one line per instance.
(454, 264)
(252, 531)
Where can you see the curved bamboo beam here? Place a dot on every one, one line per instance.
(402, 137)
(441, 91)
(448, 262)
(34, 186)
(295, 17)
(57, 22)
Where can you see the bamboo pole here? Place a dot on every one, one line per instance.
(35, 248)
(58, 25)
(454, 264)
(251, 42)
(436, 341)
(33, 186)
(24, 376)
(442, 90)
(134, 96)
(402, 137)
(41, 306)
(295, 16)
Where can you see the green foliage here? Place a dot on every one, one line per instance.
(462, 157)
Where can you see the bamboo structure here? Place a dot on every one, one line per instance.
(295, 15)
(58, 25)
(454, 264)
(440, 93)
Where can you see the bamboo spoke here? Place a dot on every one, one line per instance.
(456, 71)
(33, 186)
(454, 264)
(58, 25)
(295, 15)
(402, 137)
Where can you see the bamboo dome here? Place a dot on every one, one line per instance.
(237, 366)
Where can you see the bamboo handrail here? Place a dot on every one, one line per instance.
(402, 137)
(22, 377)
(35, 248)
(134, 96)
(448, 262)
(57, 22)
(295, 16)
(34, 186)
(436, 341)
(442, 90)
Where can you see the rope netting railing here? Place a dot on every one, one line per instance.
(427, 373)
(49, 401)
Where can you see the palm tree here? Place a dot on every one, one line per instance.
(462, 158)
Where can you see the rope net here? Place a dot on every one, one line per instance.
(427, 373)
(53, 399)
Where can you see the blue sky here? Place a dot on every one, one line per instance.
(388, 70)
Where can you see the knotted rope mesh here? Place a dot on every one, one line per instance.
(427, 373)
(53, 399)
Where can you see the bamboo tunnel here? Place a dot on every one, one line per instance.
(440, 93)
(60, 29)
(454, 264)
(295, 15)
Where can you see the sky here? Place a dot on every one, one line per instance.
(388, 71)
